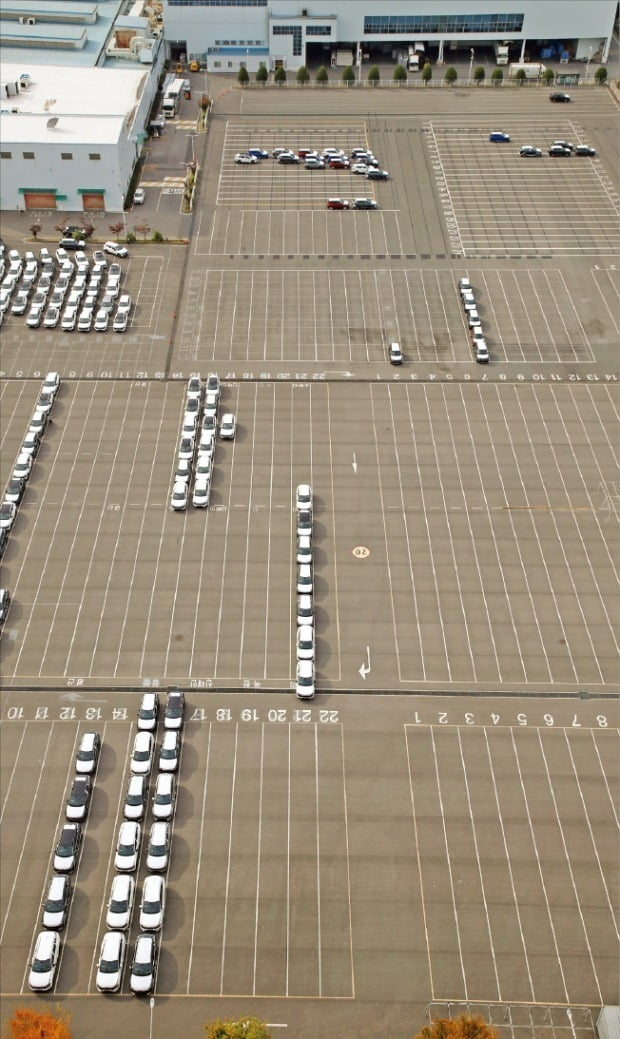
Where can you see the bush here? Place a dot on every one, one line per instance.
(262, 74)
(158, 236)
(374, 75)
(279, 75)
(322, 76)
(242, 77)
(600, 76)
(400, 74)
(479, 74)
(427, 72)
(303, 76)
(497, 77)
(451, 75)
(348, 75)
(520, 77)
(548, 77)
(130, 237)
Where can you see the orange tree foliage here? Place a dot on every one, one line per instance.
(463, 1027)
(30, 1024)
(245, 1028)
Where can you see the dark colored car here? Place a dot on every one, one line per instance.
(377, 175)
(364, 203)
(499, 135)
(72, 244)
(584, 149)
(559, 97)
(530, 152)
(559, 150)
(15, 491)
(68, 847)
(5, 601)
(4, 537)
(288, 160)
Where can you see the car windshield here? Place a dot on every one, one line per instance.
(78, 796)
(126, 849)
(151, 907)
(157, 849)
(303, 680)
(162, 799)
(108, 966)
(64, 850)
(42, 966)
(142, 968)
(134, 799)
(141, 755)
(119, 905)
(168, 752)
(174, 708)
(54, 905)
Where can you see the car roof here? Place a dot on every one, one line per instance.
(112, 940)
(305, 631)
(128, 827)
(142, 736)
(159, 827)
(305, 667)
(164, 779)
(152, 881)
(122, 880)
(45, 940)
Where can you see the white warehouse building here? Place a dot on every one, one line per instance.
(228, 34)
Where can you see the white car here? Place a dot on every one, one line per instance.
(304, 549)
(120, 905)
(305, 642)
(115, 249)
(163, 798)
(44, 961)
(204, 467)
(159, 847)
(360, 167)
(245, 159)
(228, 427)
(111, 960)
(88, 753)
(8, 512)
(304, 579)
(102, 320)
(142, 755)
(56, 905)
(206, 444)
(305, 610)
(76, 808)
(126, 857)
(210, 407)
(190, 421)
(139, 196)
(144, 965)
(20, 303)
(68, 848)
(179, 496)
(121, 321)
(186, 448)
(22, 467)
(99, 258)
(148, 711)
(303, 497)
(85, 320)
(136, 798)
(35, 315)
(183, 471)
(169, 752)
(69, 319)
(304, 523)
(200, 497)
(194, 387)
(304, 679)
(124, 304)
(51, 318)
(153, 903)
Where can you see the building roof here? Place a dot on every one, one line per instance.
(73, 99)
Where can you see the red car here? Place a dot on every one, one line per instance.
(337, 203)
(336, 163)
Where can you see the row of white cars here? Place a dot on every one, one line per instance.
(473, 319)
(304, 638)
(29, 448)
(114, 944)
(195, 456)
(73, 292)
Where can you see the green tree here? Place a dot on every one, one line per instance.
(548, 77)
(463, 1027)
(479, 74)
(303, 76)
(374, 75)
(262, 73)
(321, 76)
(30, 1024)
(450, 76)
(497, 77)
(600, 76)
(348, 75)
(400, 74)
(245, 1028)
(242, 76)
(520, 77)
(279, 75)
(427, 72)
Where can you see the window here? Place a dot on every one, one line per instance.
(28, 155)
(447, 24)
(94, 155)
(6, 155)
(217, 64)
(290, 30)
(217, 3)
(66, 155)
(318, 30)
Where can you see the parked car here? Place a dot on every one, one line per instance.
(85, 320)
(5, 595)
(559, 150)
(245, 160)
(528, 151)
(128, 845)
(202, 492)
(175, 707)
(8, 512)
(136, 798)
(121, 320)
(585, 149)
(69, 319)
(139, 196)
(395, 352)
(303, 497)
(142, 754)
(170, 751)
(364, 203)
(304, 679)
(228, 427)
(68, 848)
(44, 961)
(71, 245)
(337, 203)
(111, 960)
(288, 159)
(312, 163)
(499, 135)
(121, 900)
(15, 490)
(557, 96)
(115, 249)
(163, 798)
(35, 316)
(158, 847)
(79, 799)
(102, 320)
(22, 467)
(377, 174)
(144, 965)
(56, 904)
(148, 711)
(153, 903)
(179, 496)
(52, 317)
(88, 753)
(305, 642)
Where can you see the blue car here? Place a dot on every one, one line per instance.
(258, 153)
(498, 135)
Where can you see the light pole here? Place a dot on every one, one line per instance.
(471, 64)
(152, 1006)
(588, 64)
(191, 137)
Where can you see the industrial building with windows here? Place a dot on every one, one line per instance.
(227, 35)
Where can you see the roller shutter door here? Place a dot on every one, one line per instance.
(40, 200)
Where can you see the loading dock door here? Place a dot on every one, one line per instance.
(93, 201)
(40, 199)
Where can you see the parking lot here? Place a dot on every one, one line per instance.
(438, 829)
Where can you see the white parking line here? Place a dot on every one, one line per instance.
(229, 861)
(203, 810)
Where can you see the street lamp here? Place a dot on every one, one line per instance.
(191, 137)
(471, 64)
(588, 64)
(152, 1006)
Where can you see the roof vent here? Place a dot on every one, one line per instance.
(51, 123)
(31, 21)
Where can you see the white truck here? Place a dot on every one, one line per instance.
(502, 53)
(415, 56)
(342, 57)
(532, 69)
(172, 99)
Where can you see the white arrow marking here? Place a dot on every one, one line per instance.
(354, 463)
(365, 669)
